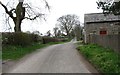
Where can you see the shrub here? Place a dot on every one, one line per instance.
(49, 39)
(64, 39)
(35, 37)
(21, 39)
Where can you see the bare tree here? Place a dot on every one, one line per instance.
(67, 23)
(48, 33)
(22, 10)
(59, 33)
(72, 33)
(55, 31)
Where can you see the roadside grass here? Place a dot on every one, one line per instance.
(0, 54)
(104, 59)
(16, 52)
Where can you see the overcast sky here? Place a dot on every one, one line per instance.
(58, 8)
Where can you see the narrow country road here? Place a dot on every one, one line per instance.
(60, 58)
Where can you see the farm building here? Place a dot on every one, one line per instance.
(102, 30)
(99, 24)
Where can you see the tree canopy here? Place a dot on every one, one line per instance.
(109, 6)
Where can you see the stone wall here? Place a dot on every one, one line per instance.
(109, 41)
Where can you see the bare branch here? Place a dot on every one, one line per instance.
(12, 10)
(27, 12)
(8, 27)
(6, 10)
(37, 16)
(47, 5)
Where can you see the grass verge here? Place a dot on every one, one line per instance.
(0, 54)
(16, 52)
(105, 60)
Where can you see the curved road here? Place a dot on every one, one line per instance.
(60, 58)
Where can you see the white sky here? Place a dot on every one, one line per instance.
(59, 8)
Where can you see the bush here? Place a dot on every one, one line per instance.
(64, 39)
(35, 37)
(49, 39)
(20, 39)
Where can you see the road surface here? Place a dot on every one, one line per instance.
(60, 58)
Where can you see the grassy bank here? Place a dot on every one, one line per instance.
(104, 59)
(16, 52)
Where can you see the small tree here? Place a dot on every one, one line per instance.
(48, 33)
(72, 33)
(22, 10)
(55, 31)
(59, 33)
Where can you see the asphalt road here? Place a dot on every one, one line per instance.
(60, 58)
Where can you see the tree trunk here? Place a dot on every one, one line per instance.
(17, 23)
(20, 14)
(68, 33)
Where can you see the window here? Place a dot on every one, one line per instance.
(103, 32)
